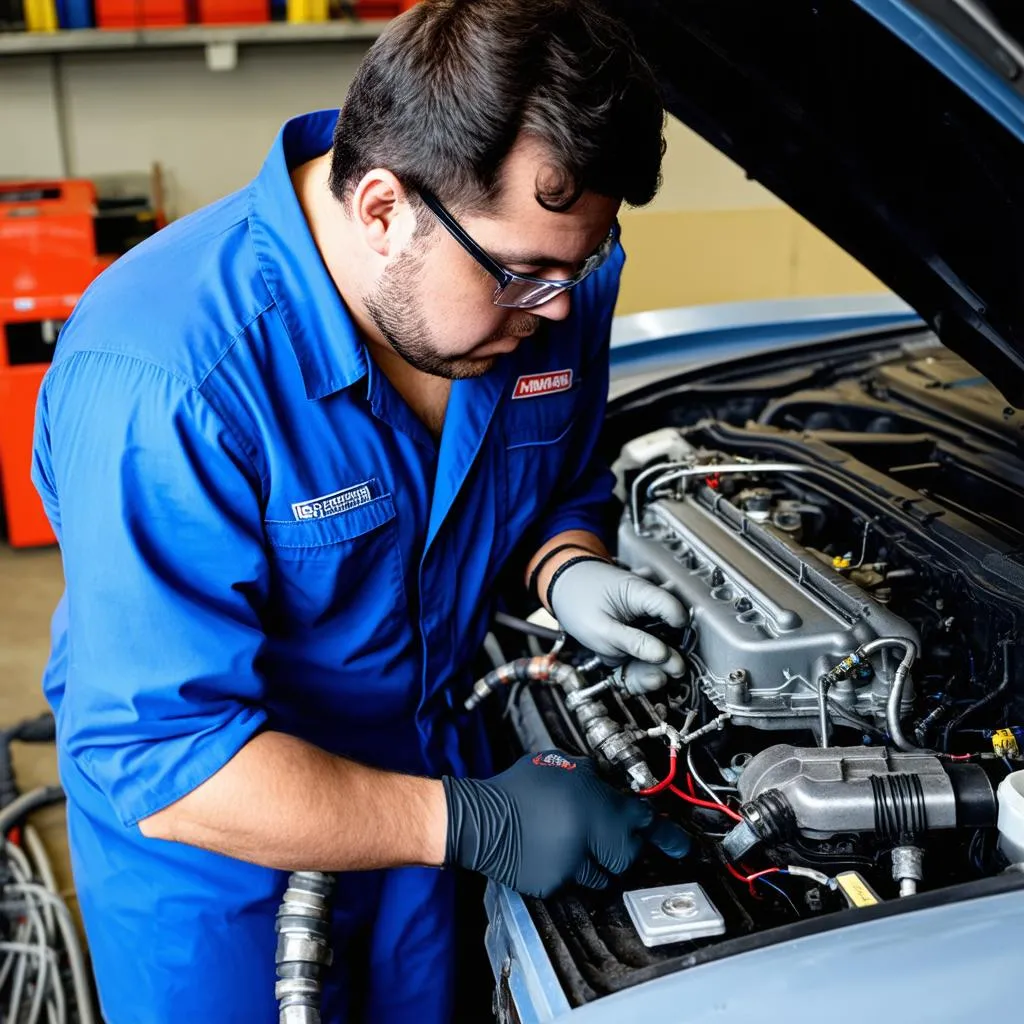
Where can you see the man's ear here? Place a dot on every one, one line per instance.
(380, 206)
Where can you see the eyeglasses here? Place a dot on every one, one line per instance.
(519, 291)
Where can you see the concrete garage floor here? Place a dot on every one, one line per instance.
(31, 582)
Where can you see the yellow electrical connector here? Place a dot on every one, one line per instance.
(41, 16)
(1004, 743)
(841, 562)
(855, 888)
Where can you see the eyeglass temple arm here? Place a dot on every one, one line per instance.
(455, 229)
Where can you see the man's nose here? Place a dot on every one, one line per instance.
(554, 309)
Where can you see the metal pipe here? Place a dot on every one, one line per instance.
(671, 474)
(303, 946)
(823, 719)
(893, 708)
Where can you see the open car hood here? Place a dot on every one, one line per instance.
(895, 126)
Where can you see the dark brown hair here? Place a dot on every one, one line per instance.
(448, 88)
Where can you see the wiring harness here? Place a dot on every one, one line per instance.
(43, 970)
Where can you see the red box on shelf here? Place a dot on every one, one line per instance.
(233, 12)
(142, 13)
(47, 259)
(24, 328)
(47, 237)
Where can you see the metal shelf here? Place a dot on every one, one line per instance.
(88, 40)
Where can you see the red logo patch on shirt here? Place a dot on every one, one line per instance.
(533, 385)
(553, 760)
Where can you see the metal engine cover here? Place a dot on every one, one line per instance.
(770, 618)
(832, 790)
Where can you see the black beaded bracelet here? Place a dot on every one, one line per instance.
(532, 582)
(568, 564)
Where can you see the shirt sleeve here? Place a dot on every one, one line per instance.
(158, 513)
(584, 501)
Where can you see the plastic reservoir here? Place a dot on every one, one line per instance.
(1011, 816)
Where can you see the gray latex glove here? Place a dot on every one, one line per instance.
(595, 602)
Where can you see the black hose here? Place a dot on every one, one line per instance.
(522, 626)
(1003, 686)
(8, 783)
(855, 720)
(33, 730)
(42, 729)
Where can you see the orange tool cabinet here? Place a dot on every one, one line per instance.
(47, 259)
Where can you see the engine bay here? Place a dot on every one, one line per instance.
(846, 534)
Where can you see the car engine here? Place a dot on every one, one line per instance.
(847, 539)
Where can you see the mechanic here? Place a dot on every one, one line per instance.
(288, 445)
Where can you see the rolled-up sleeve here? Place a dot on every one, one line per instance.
(157, 508)
(583, 501)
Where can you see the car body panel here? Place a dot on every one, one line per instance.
(648, 346)
(954, 962)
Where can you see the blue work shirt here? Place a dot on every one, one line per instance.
(258, 533)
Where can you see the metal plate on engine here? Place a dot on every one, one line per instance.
(673, 913)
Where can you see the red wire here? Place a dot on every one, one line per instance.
(705, 803)
(758, 874)
(689, 785)
(749, 880)
(665, 782)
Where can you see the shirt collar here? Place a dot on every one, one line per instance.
(327, 346)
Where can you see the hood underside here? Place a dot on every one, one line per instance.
(895, 160)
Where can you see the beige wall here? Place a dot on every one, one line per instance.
(710, 235)
(209, 130)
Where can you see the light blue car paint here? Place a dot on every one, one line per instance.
(980, 82)
(950, 964)
(646, 345)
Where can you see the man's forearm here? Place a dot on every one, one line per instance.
(582, 541)
(283, 803)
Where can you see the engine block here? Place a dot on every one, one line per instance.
(770, 617)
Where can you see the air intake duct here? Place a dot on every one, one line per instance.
(821, 792)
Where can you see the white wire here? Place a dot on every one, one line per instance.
(700, 782)
(79, 973)
(44, 963)
(27, 871)
(57, 1011)
(21, 952)
(44, 869)
(47, 959)
(23, 872)
(9, 960)
(35, 926)
(18, 861)
(20, 970)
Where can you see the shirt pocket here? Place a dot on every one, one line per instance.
(541, 420)
(342, 572)
(537, 435)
